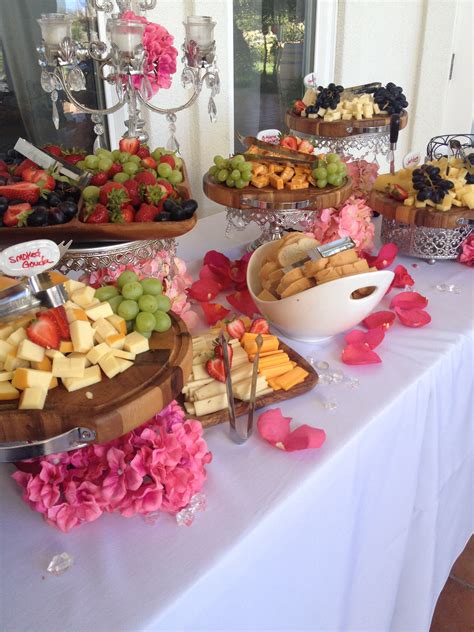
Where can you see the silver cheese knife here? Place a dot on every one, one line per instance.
(324, 250)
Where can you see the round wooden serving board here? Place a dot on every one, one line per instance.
(428, 217)
(238, 198)
(119, 404)
(338, 129)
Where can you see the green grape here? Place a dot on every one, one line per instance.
(163, 303)
(222, 175)
(132, 290)
(321, 163)
(178, 162)
(164, 170)
(92, 162)
(128, 276)
(105, 163)
(246, 174)
(235, 174)
(114, 302)
(144, 322)
(136, 159)
(320, 173)
(128, 309)
(332, 177)
(147, 303)
(121, 177)
(103, 153)
(338, 180)
(175, 177)
(145, 334)
(230, 183)
(213, 170)
(156, 154)
(245, 166)
(91, 193)
(124, 157)
(332, 168)
(116, 154)
(241, 183)
(81, 164)
(321, 183)
(341, 168)
(152, 286)
(106, 292)
(220, 162)
(130, 168)
(332, 158)
(162, 321)
(236, 160)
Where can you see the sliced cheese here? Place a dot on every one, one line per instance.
(241, 390)
(294, 377)
(275, 371)
(215, 388)
(92, 375)
(6, 330)
(82, 336)
(26, 378)
(69, 367)
(8, 392)
(104, 328)
(210, 405)
(30, 351)
(33, 398)
(136, 343)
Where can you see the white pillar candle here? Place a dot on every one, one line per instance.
(54, 28)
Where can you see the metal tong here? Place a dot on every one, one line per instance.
(324, 250)
(394, 129)
(277, 150)
(235, 434)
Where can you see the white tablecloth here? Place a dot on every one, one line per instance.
(359, 535)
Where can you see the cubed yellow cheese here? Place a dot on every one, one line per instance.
(115, 340)
(65, 346)
(136, 343)
(118, 323)
(83, 296)
(6, 376)
(104, 328)
(16, 337)
(101, 310)
(53, 353)
(92, 375)
(30, 351)
(82, 336)
(120, 353)
(76, 354)
(69, 367)
(12, 362)
(44, 365)
(110, 365)
(468, 200)
(33, 398)
(124, 364)
(8, 392)
(5, 348)
(97, 352)
(26, 378)
(54, 383)
(75, 313)
(72, 286)
(6, 330)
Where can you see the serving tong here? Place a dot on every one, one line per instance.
(322, 251)
(279, 152)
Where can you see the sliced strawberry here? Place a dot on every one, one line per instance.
(396, 192)
(58, 315)
(115, 168)
(29, 173)
(98, 215)
(25, 191)
(299, 106)
(72, 159)
(143, 152)
(166, 185)
(236, 328)
(289, 141)
(219, 352)
(133, 190)
(99, 179)
(149, 162)
(147, 213)
(306, 147)
(168, 159)
(145, 178)
(259, 326)
(43, 179)
(24, 165)
(3, 166)
(17, 214)
(215, 368)
(130, 145)
(54, 150)
(44, 332)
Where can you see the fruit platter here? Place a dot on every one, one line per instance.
(116, 352)
(335, 112)
(132, 194)
(282, 373)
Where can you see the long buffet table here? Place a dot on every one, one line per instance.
(359, 535)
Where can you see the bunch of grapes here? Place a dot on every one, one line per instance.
(141, 303)
(429, 184)
(330, 170)
(233, 172)
(390, 99)
(329, 97)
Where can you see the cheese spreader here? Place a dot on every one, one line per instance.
(324, 250)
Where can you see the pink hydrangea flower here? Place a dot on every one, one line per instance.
(466, 255)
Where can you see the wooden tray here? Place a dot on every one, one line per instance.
(81, 232)
(119, 405)
(338, 129)
(241, 408)
(240, 198)
(393, 209)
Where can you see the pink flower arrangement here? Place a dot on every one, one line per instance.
(466, 255)
(157, 467)
(353, 220)
(160, 62)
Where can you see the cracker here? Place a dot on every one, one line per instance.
(298, 286)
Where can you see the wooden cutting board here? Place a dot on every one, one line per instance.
(338, 129)
(427, 217)
(239, 198)
(242, 408)
(118, 405)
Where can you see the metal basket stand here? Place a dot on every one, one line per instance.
(364, 146)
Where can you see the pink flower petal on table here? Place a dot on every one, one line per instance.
(214, 312)
(359, 353)
(384, 258)
(204, 290)
(413, 317)
(402, 277)
(217, 275)
(383, 319)
(304, 437)
(409, 300)
(243, 303)
(373, 337)
(275, 429)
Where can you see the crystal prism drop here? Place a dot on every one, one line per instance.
(76, 79)
(185, 517)
(60, 563)
(172, 144)
(46, 82)
(145, 90)
(212, 110)
(55, 114)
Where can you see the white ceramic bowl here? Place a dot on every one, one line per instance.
(322, 311)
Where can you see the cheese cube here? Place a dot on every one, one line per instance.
(336, 116)
(92, 375)
(136, 343)
(102, 310)
(93, 303)
(12, 362)
(6, 331)
(468, 200)
(53, 353)
(110, 365)
(82, 336)
(16, 337)
(5, 348)
(376, 109)
(76, 354)
(321, 112)
(69, 367)
(83, 296)
(33, 398)
(8, 392)
(347, 116)
(72, 286)
(75, 313)
(115, 340)
(44, 365)
(26, 378)
(53, 384)
(119, 353)
(124, 364)
(104, 328)
(65, 346)
(118, 323)
(97, 352)
(30, 351)
(6, 376)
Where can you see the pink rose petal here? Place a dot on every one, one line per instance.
(373, 337)
(204, 290)
(383, 319)
(359, 353)
(409, 300)
(413, 317)
(384, 258)
(214, 312)
(275, 429)
(243, 303)
(304, 437)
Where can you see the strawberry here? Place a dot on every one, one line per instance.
(166, 185)
(17, 214)
(29, 173)
(236, 328)
(99, 179)
(3, 166)
(149, 162)
(113, 195)
(54, 150)
(43, 179)
(130, 145)
(98, 215)
(259, 326)
(219, 352)
(58, 315)
(147, 213)
(145, 178)
(133, 190)
(289, 142)
(143, 152)
(44, 332)
(396, 192)
(215, 368)
(125, 215)
(299, 106)
(169, 159)
(154, 194)
(306, 147)
(24, 165)
(115, 168)
(25, 191)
